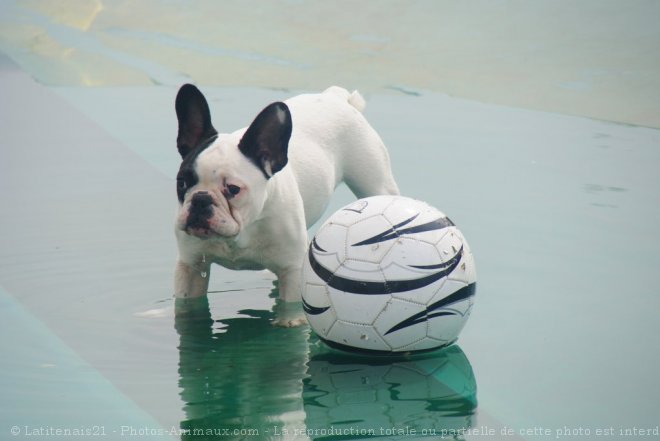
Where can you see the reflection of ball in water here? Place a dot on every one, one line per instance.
(392, 391)
(388, 274)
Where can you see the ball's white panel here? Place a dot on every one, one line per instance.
(357, 308)
(318, 308)
(448, 246)
(402, 209)
(361, 209)
(449, 319)
(465, 272)
(329, 246)
(447, 328)
(360, 270)
(364, 230)
(448, 288)
(413, 260)
(417, 219)
(470, 268)
(308, 275)
(316, 295)
(401, 323)
(357, 336)
(409, 258)
(450, 243)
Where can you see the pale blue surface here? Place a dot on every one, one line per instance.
(50, 389)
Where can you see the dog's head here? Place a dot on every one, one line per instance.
(221, 184)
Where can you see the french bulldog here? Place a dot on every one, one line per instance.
(247, 198)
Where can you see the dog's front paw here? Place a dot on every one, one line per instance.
(289, 315)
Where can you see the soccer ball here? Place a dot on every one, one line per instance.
(388, 274)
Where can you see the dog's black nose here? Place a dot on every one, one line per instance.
(201, 199)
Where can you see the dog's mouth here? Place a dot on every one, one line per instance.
(205, 217)
(200, 232)
(212, 227)
(198, 223)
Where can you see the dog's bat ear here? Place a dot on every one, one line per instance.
(266, 141)
(194, 117)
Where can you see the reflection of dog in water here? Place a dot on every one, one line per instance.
(243, 374)
(239, 373)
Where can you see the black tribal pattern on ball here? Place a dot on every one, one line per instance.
(314, 310)
(397, 231)
(435, 309)
(388, 287)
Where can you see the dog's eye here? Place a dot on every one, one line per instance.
(181, 184)
(233, 189)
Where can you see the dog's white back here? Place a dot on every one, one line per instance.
(333, 142)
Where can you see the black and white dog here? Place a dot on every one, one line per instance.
(247, 198)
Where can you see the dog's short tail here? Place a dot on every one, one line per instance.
(353, 98)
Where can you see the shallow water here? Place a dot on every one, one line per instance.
(243, 373)
(561, 213)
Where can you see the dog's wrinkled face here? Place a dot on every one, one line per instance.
(221, 184)
(216, 200)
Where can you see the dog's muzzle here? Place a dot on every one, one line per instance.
(201, 210)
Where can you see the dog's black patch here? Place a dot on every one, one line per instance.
(194, 116)
(266, 140)
(187, 176)
(196, 133)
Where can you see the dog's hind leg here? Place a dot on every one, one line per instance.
(366, 163)
(367, 170)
